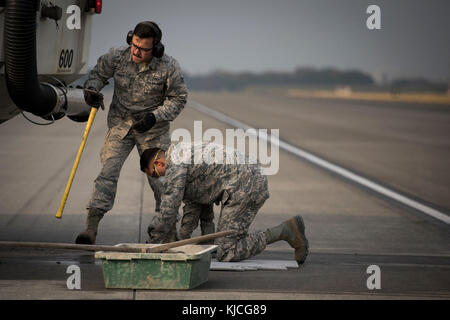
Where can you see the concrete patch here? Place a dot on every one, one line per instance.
(249, 265)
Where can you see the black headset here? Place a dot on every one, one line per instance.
(158, 47)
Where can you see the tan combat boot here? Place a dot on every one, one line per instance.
(292, 231)
(89, 235)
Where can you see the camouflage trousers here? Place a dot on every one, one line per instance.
(118, 144)
(193, 213)
(237, 213)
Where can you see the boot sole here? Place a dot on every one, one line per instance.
(300, 244)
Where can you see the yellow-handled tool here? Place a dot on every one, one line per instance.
(77, 160)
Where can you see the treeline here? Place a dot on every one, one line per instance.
(328, 77)
(223, 80)
(418, 85)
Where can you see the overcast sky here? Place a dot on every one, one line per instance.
(261, 35)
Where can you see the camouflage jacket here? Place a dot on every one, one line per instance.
(156, 87)
(202, 178)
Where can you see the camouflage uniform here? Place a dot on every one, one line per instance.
(241, 188)
(157, 87)
(192, 214)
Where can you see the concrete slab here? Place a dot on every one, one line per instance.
(251, 264)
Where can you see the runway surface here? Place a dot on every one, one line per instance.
(403, 147)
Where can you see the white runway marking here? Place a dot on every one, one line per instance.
(328, 165)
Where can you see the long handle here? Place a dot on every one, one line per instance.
(166, 246)
(90, 247)
(53, 245)
(77, 160)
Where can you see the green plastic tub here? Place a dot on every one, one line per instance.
(184, 267)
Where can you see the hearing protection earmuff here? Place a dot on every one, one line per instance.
(158, 47)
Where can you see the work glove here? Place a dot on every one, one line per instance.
(146, 123)
(160, 233)
(93, 98)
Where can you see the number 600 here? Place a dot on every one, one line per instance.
(65, 58)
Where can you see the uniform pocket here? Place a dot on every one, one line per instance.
(152, 83)
(153, 87)
(122, 80)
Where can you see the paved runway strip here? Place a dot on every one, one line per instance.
(327, 165)
(348, 227)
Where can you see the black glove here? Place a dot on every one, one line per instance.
(157, 237)
(158, 232)
(93, 98)
(146, 123)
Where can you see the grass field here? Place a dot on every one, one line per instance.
(365, 93)
(430, 98)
